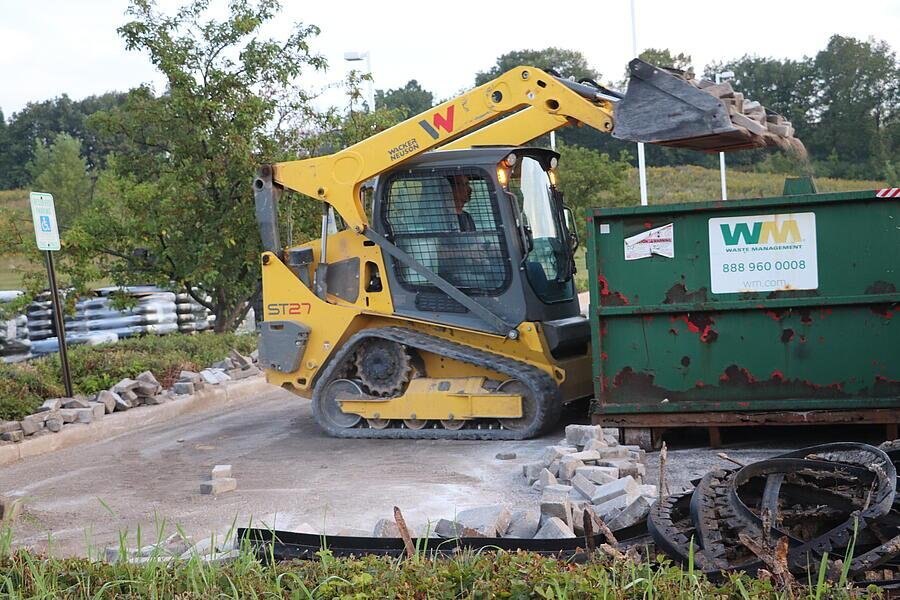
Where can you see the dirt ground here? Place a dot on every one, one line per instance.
(291, 476)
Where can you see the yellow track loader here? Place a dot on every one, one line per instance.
(446, 307)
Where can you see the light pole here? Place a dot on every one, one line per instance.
(360, 56)
(720, 77)
(642, 165)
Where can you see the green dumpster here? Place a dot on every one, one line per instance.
(773, 310)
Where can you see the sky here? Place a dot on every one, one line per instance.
(51, 47)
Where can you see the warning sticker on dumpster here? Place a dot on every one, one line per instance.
(659, 240)
(763, 253)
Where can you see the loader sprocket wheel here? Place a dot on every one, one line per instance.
(383, 366)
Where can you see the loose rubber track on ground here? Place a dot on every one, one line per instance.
(539, 382)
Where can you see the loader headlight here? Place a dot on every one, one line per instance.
(502, 176)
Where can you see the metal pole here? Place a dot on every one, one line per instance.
(722, 159)
(60, 325)
(553, 140)
(642, 163)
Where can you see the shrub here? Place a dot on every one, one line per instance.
(24, 386)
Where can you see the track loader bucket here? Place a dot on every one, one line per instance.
(665, 107)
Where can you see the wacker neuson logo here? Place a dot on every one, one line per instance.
(763, 253)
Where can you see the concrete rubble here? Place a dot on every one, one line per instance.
(177, 547)
(587, 471)
(55, 414)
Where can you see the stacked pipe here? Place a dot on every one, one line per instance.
(97, 321)
(153, 312)
(192, 316)
(15, 345)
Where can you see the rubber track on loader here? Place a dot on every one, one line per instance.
(539, 382)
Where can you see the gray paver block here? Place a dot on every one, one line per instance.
(505, 455)
(614, 489)
(489, 520)
(69, 415)
(386, 528)
(51, 404)
(183, 387)
(523, 524)
(568, 468)
(547, 478)
(610, 509)
(7, 426)
(532, 471)
(76, 403)
(218, 486)
(108, 399)
(553, 453)
(599, 475)
(31, 425)
(556, 506)
(584, 486)
(554, 528)
(122, 403)
(125, 385)
(84, 415)
(579, 435)
(448, 529)
(190, 376)
(12, 436)
(631, 514)
(220, 471)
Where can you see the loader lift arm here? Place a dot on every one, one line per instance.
(336, 179)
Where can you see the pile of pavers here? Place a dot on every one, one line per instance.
(587, 471)
(590, 470)
(178, 547)
(143, 390)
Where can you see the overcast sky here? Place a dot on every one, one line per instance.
(51, 47)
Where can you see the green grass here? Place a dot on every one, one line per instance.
(24, 386)
(24, 574)
(667, 185)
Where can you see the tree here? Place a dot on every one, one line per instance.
(568, 63)
(587, 177)
(410, 99)
(175, 205)
(59, 169)
(39, 122)
(859, 99)
(663, 57)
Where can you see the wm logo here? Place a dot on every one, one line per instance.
(761, 232)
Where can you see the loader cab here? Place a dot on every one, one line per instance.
(491, 222)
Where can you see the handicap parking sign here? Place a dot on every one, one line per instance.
(43, 214)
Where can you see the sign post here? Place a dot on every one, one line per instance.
(46, 233)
